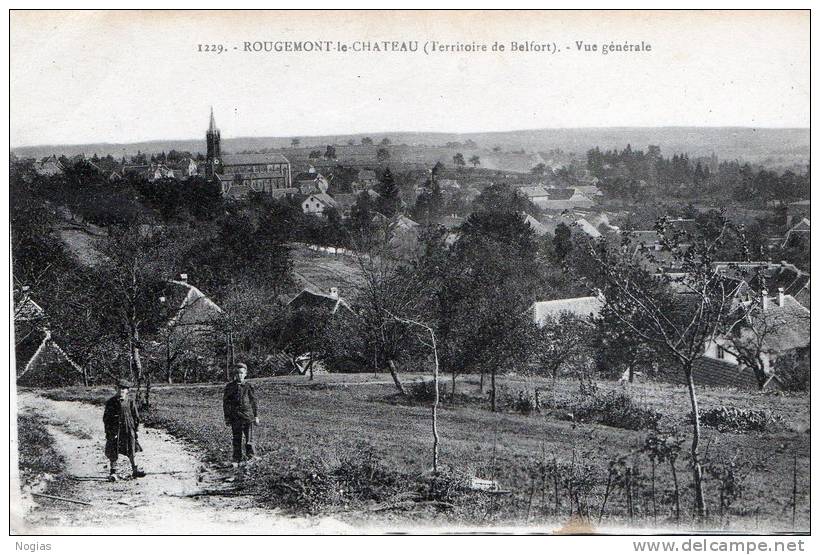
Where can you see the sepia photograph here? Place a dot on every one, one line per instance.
(334, 272)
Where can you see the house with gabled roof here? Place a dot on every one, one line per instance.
(365, 179)
(774, 327)
(39, 359)
(49, 166)
(801, 228)
(311, 181)
(537, 227)
(318, 203)
(308, 313)
(562, 199)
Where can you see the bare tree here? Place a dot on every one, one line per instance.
(386, 287)
(434, 348)
(676, 313)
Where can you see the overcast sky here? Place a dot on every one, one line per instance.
(82, 77)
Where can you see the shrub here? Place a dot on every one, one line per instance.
(422, 391)
(317, 485)
(524, 402)
(731, 419)
(615, 409)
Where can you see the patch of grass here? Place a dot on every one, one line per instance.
(36, 449)
(305, 429)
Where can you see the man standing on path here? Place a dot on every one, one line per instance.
(239, 404)
(121, 421)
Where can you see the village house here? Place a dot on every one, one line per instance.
(38, 359)
(564, 199)
(537, 227)
(308, 299)
(771, 276)
(801, 229)
(777, 326)
(555, 198)
(185, 341)
(404, 236)
(189, 307)
(308, 311)
(365, 179)
(186, 168)
(317, 204)
(48, 167)
(310, 182)
(590, 191)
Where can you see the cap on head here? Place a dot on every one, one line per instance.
(123, 384)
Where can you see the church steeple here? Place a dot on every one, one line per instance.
(212, 138)
(212, 127)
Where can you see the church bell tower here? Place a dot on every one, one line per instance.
(213, 150)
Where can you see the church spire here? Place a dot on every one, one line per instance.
(212, 127)
(212, 140)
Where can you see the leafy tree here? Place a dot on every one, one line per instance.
(295, 142)
(361, 215)
(482, 287)
(385, 142)
(563, 342)
(367, 141)
(388, 202)
(501, 194)
(458, 160)
(437, 169)
(539, 169)
(562, 241)
(475, 160)
(382, 155)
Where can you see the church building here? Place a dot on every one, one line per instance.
(239, 174)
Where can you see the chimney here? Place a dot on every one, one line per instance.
(764, 300)
(780, 296)
(183, 278)
(334, 292)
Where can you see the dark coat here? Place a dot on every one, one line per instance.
(239, 402)
(121, 421)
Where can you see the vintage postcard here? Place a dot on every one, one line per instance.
(425, 272)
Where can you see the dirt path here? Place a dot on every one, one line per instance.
(160, 503)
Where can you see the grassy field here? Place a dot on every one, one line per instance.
(321, 271)
(318, 438)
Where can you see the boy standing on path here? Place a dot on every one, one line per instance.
(121, 421)
(239, 405)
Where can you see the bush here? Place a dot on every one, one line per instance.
(615, 409)
(422, 391)
(730, 419)
(524, 402)
(318, 485)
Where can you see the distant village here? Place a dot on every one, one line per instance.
(561, 203)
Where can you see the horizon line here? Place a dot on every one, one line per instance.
(365, 133)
